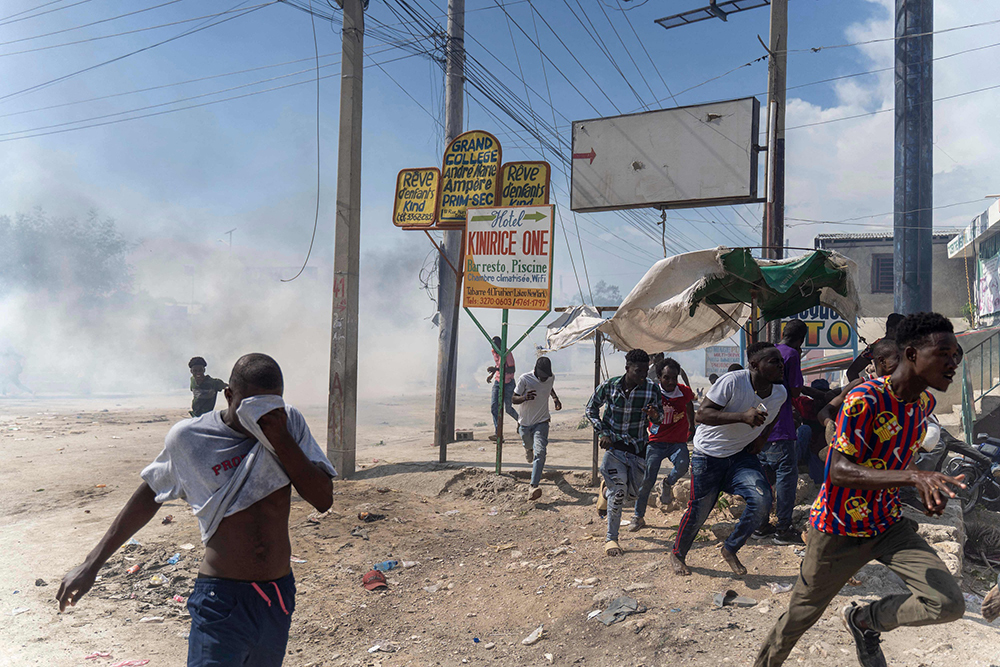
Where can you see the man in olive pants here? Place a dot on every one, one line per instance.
(857, 517)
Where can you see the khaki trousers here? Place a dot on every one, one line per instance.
(831, 560)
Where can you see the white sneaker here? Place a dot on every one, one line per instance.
(534, 493)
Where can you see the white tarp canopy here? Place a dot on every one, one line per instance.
(655, 315)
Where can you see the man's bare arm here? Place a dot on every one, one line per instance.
(712, 414)
(932, 486)
(556, 400)
(309, 480)
(830, 410)
(138, 511)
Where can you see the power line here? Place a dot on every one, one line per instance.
(817, 49)
(199, 28)
(4, 21)
(845, 221)
(87, 25)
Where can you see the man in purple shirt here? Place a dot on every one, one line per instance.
(779, 458)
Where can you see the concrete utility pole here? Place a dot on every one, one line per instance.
(448, 282)
(773, 232)
(341, 429)
(913, 186)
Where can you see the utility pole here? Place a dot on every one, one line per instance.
(773, 233)
(341, 429)
(448, 282)
(913, 183)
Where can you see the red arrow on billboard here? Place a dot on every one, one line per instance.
(585, 156)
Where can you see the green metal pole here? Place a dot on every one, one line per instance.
(503, 375)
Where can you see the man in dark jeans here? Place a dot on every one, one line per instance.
(857, 517)
(780, 457)
(733, 423)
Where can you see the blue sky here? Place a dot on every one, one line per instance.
(176, 182)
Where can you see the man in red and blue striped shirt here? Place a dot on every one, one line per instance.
(857, 516)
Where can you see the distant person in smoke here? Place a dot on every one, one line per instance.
(531, 395)
(236, 468)
(508, 384)
(11, 365)
(204, 387)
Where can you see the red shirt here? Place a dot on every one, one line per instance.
(875, 429)
(673, 426)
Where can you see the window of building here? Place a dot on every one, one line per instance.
(882, 274)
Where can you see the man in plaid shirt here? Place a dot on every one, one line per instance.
(630, 400)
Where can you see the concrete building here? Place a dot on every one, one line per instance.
(873, 254)
(979, 245)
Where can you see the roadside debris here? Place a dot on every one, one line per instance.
(157, 580)
(360, 532)
(731, 599)
(135, 568)
(167, 519)
(97, 654)
(296, 559)
(620, 609)
(174, 559)
(777, 588)
(369, 517)
(536, 635)
(19, 610)
(131, 663)
(373, 579)
(40, 582)
(151, 619)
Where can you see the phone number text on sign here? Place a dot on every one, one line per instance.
(508, 261)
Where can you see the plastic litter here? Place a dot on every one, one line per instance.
(100, 486)
(369, 517)
(451, 513)
(359, 532)
(97, 654)
(157, 580)
(593, 614)
(135, 568)
(151, 619)
(386, 565)
(296, 559)
(620, 609)
(536, 635)
(187, 547)
(173, 559)
(409, 563)
(777, 588)
(475, 640)
(19, 610)
(131, 663)
(133, 541)
(178, 598)
(168, 519)
(972, 599)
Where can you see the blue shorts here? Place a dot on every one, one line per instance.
(240, 622)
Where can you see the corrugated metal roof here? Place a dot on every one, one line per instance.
(882, 236)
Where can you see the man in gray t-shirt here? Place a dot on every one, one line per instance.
(733, 424)
(243, 598)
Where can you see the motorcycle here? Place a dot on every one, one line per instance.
(980, 464)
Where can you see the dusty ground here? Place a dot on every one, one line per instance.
(496, 566)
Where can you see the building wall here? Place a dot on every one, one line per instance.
(949, 293)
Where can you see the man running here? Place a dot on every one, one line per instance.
(236, 468)
(507, 377)
(865, 359)
(733, 424)
(204, 387)
(780, 456)
(629, 400)
(668, 438)
(532, 396)
(857, 518)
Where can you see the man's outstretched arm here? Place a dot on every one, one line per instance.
(138, 511)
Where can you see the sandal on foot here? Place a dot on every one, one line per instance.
(611, 548)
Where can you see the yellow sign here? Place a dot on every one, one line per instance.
(524, 184)
(418, 193)
(470, 176)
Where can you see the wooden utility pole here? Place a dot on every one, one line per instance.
(773, 233)
(341, 429)
(448, 282)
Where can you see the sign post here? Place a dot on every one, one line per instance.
(508, 265)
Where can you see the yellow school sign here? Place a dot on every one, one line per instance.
(472, 175)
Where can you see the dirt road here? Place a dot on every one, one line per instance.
(492, 566)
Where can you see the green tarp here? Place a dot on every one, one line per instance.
(780, 289)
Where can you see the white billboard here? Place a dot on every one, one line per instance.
(702, 155)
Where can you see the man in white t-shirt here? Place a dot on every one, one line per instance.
(531, 395)
(244, 595)
(733, 424)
